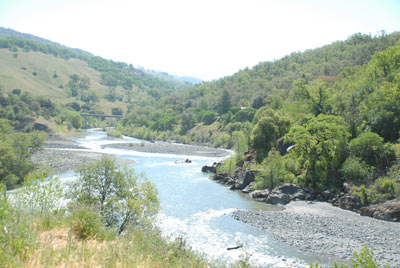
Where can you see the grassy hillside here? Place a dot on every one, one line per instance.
(18, 73)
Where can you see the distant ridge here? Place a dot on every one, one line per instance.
(4, 33)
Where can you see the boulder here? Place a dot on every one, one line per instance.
(298, 196)
(289, 189)
(249, 188)
(349, 202)
(210, 169)
(278, 198)
(243, 178)
(260, 195)
(388, 211)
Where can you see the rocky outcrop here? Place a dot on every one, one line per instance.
(243, 178)
(211, 169)
(388, 211)
(347, 202)
(285, 193)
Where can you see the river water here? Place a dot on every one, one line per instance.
(198, 209)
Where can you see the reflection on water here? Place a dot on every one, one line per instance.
(199, 209)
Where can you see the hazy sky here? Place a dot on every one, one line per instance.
(206, 39)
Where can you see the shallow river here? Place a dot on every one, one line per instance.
(199, 209)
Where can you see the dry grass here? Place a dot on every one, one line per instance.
(17, 73)
(59, 248)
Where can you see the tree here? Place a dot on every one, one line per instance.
(316, 94)
(369, 147)
(240, 144)
(84, 83)
(120, 196)
(267, 131)
(224, 103)
(319, 150)
(272, 172)
(116, 111)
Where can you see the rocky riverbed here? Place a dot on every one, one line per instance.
(62, 154)
(327, 230)
(170, 148)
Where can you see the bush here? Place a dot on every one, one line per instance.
(86, 223)
(369, 147)
(385, 188)
(228, 167)
(362, 259)
(114, 133)
(356, 171)
(209, 117)
(17, 239)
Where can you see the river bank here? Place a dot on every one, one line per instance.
(321, 228)
(170, 148)
(62, 154)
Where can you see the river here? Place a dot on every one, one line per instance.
(198, 209)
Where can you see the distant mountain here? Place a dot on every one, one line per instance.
(190, 80)
(186, 79)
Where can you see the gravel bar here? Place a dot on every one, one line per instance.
(171, 148)
(323, 229)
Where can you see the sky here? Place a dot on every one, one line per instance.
(206, 39)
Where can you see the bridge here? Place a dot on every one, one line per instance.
(85, 116)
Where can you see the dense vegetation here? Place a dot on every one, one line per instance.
(337, 106)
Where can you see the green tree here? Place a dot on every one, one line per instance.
(370, 148)
(120, 196)
(224, 103)
(240, 144)
(267, 131)
(272, 172)
(320, 150)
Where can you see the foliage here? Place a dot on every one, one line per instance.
(224, 103)
(381, 190)
(40, 194)
(17, 238)
(228, 167)
(121, 197)
(240, 144)
(272, 171)
(15, 149)
(369, 147)
(267, 131)
(114, 133)
(320, 150)
(362, 259)
(86, 224)
(356, 171)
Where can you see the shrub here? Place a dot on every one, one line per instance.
(209, 117)
(227, 167)
(114, 133)
(272, 171)
(369, 147)
(355, 170)
(86, 223)
(362, 259)
(17, 239)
